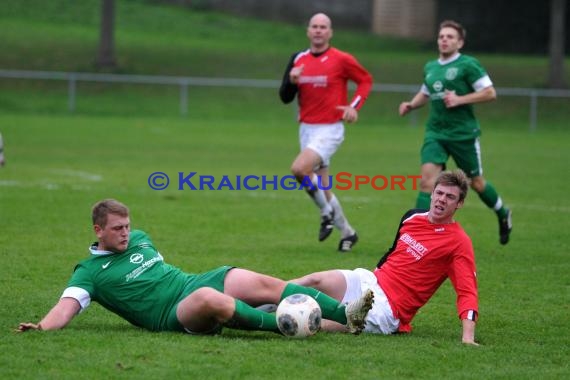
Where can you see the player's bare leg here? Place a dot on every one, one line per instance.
(331, 282)
(253, 288)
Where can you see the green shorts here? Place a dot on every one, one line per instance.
(212, 279)
(465, 153)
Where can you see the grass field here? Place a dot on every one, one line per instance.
(59, 164)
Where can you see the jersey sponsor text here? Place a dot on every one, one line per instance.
(415, 248)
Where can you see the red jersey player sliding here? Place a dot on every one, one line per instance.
(319, 78)
(429, 248)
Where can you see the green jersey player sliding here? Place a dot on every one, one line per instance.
(127, 275)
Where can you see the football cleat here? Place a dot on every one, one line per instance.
(346, 244)
(505, 228)
(327, 225)
(356, 312)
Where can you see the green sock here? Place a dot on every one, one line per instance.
(423, 201)
(490, 197)
(249, 318)
(330, 308)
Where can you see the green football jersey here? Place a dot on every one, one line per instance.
(136, 284)
(463, 75)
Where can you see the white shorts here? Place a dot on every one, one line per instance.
(380, 319)
(325, 139)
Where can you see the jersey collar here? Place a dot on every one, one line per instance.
(316, 55)
(450, 59)
(95, 251)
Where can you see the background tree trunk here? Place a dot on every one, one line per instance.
(557, 42)
(106, 55)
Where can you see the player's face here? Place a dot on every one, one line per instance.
(319, 32)
(114, 236)
(444, 202)
(448, 42)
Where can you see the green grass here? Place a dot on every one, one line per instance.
(59, 164)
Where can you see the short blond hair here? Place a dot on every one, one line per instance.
(454, 178)
(105, 207)
(455, 25)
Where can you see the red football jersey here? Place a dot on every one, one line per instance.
(424, 256)
(323, 85)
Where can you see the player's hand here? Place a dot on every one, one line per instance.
(349, 114)
(295, 74)
(27, 326)
(405, 108)
(451, 99)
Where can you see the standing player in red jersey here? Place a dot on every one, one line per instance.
(319, 77)
(429, 248)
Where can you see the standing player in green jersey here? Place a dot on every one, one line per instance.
(128, 276)
(452, 84)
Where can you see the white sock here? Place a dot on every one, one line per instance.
(319, 197)
(340, 220)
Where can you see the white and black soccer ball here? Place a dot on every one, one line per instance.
(298, 316)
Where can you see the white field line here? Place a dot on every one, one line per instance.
(55, 183)
(93, 177)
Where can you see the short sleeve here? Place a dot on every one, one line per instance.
(79, 294)
(477, 76)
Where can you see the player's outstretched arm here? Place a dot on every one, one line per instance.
(468, 332)
(57, 318)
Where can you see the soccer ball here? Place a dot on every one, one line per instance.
(298, 316)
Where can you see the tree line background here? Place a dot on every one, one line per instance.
(495, 26)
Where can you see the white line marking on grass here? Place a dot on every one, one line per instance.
(540, 208)
(10, 183)
(78, 174)
(77, 182)
(50, 186)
